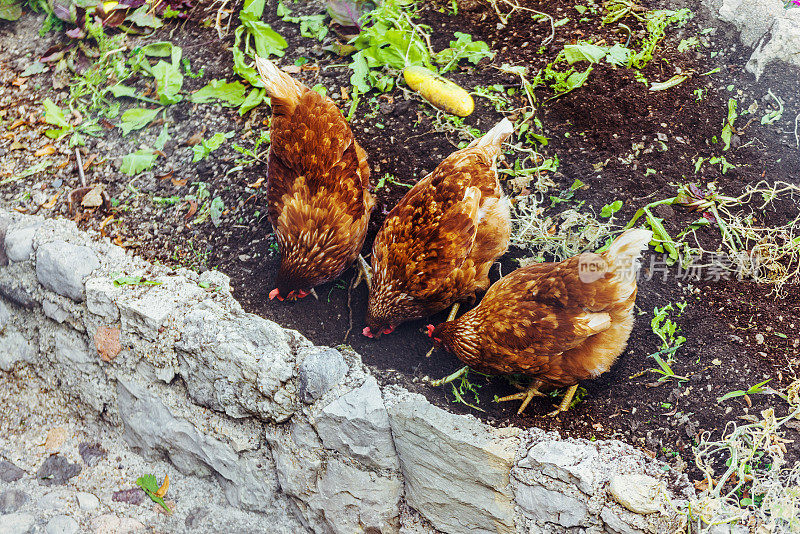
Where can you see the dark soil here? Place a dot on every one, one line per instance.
(608, 134)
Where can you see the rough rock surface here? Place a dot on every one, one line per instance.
(603, 485)
(455, 468)
(257, 428)
(62, 268)
(765, 25)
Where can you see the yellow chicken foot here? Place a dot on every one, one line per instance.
(450, 317)
(364, 272)
(566, 401)
(526, 396)
(449, 378)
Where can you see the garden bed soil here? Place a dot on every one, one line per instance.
(607, 134)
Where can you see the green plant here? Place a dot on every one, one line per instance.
(150, 486)
(756, 486)
(255, 154)
(390, 179)
(752, 390)
(391, 41)
(205, 147)
(312, 26)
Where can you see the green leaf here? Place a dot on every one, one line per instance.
(232, 93)
(267, 41)
(215, 211)
(610, 209)
(136, 119)
(121, 90)
(253, 9)
(144, 17)
(150, 486)
(37, 67)
(207, 146)
(619, 54)
(54, 115)
(360, 70)
(169, 81)
(139, 161)
(584, 52)
(10, 10)
(161, 140)
(463, 48)
(159, 49)
(727, 129)
(253, 100)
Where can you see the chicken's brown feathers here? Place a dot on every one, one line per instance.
(317, 189)
(551, 320)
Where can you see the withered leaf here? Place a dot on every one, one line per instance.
(106, 339)
(94, 197)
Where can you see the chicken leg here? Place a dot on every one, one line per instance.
(449, 378)
(364, 272)
(526, 396)
(450, 317)
(566, 401)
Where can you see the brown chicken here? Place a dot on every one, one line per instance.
(556, 322)
(436, 246)
(318, 177)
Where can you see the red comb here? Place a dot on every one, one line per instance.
(430, 328)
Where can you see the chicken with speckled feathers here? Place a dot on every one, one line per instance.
(558, 323)
(317, 185)
(436, 246)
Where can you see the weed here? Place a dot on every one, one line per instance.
(756, 486)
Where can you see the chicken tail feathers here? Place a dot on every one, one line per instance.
(496, 136)
(279, 85)
(624, 252)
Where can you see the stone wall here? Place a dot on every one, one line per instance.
(766, 26)
(287, 429)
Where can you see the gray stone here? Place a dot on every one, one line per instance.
(4, 222)
(87, 501)
(62, 267)
(615, 525)
(113, 524)
(19, 242)
(17, 294)
(54, 311)
(195, 517)
(297, 453)
(783, 43)
(216, 279)
(320, 370)
(242, 365)
(10, 472)
(5, 316)
(59, 499)
(101, 295)
(56, 471)
(146, 310)
(16, 523)
(357, 425)
(566, 461)
(456, 469)
(61, 524)
(91, 453)
(352, 500)
(12, 500)
(82, 374)
(14, 348)
(638, 493)
(754, 17)
(551, 506)
(151, 428)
